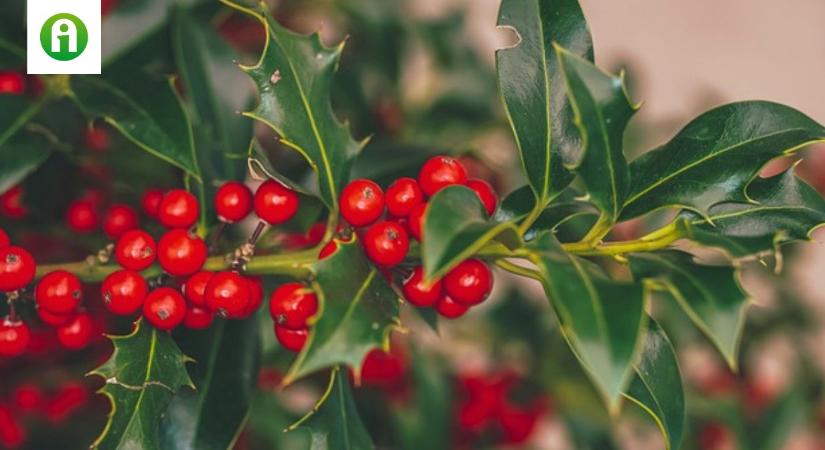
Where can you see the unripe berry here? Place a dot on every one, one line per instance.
(81, 216)
(123, 292)
(59, 292)
(195, 288)
(164, 308)
(17, 268)
(470, 282)
(150, 202)
(135, 250)
(420, 294)
(292, 340)
(181, 253)
(76, 334)
(386, 243)
(449, 308)
(227, 294)
(178, 209)
(439, 172)
(14, 337)
(118, 220)
(402, 196)
(233, 201)
(292, 304)
(275, 203)
(362, 202)
(198, 318)
(485, 193)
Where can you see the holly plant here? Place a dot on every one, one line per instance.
(282, 208)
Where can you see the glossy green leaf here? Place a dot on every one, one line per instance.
(532, 87)
(710, 295)
(145, 110)
(225, 373)
(334, 423)
(143, 373)
(15, 112)
(603, 320)
(357, 311)
(657, 385)
(602, 111)
(294, 80)
(22, 155)
(456, 226)
(784, 209)
(568, 215)
(715, 157)
(216, 92)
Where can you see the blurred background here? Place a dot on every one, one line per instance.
(419, 76)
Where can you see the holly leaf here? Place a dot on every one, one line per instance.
(602, 320)
(22, 155)
(204, 59)
(334, 423)
(532, 87)
(15, 112)
(657, 385)
(456, 226)
(357, 311)
(710, 295)
(714, 158)
(784, 208)
(602, 111)
(225, 374)
(143, 373)
(294, 80)
(146, 110)
(566, 216)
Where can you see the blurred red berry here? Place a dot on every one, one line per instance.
(13, 83)
(81, 216)
(449, 308)
(50, 318)
(416, 221)
(27, 397)
(197, 318)
(76, 334)
(292, 340)
(97, 139)
(11, 203)
(485, 193)
(119, 219)
(12, 434)
(14, 337)
(4, 239)
(150, 202)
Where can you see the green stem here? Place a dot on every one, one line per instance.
(298, 265)
(518, 270)
(658, 239)
(598, 230)
(531, 218)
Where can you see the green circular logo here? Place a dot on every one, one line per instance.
(64, 37)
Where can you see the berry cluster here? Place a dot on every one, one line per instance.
(388, 219)
(184, 295)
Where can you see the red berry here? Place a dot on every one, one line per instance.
(292, 340)
(328, 249)
(469, 282)
(12, 83)
(81, 216)
(181, 253)
(55, 320)
(381, 368)
(123, 292)
(164, 308)
(418, 293)
(315, 234)
(135, 250)
(198, 318)
(195, 288)
(27, 397)
(386, 243)
(362, 202)
(150, 202)
(17, 268)
(485, 193)
(233, 201)
(416, 221)
(439, 172)
(12, 433)
(97, 139)
(4, 239)
(118, 220)
(292, 304)
(107, 6)
(14, 337)
(450, 308)
(76, 334)
(178, 209)
(256, 295)
(275, 203)
(227, 294)
(11, 203)
(402, 196)
(59, 292)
